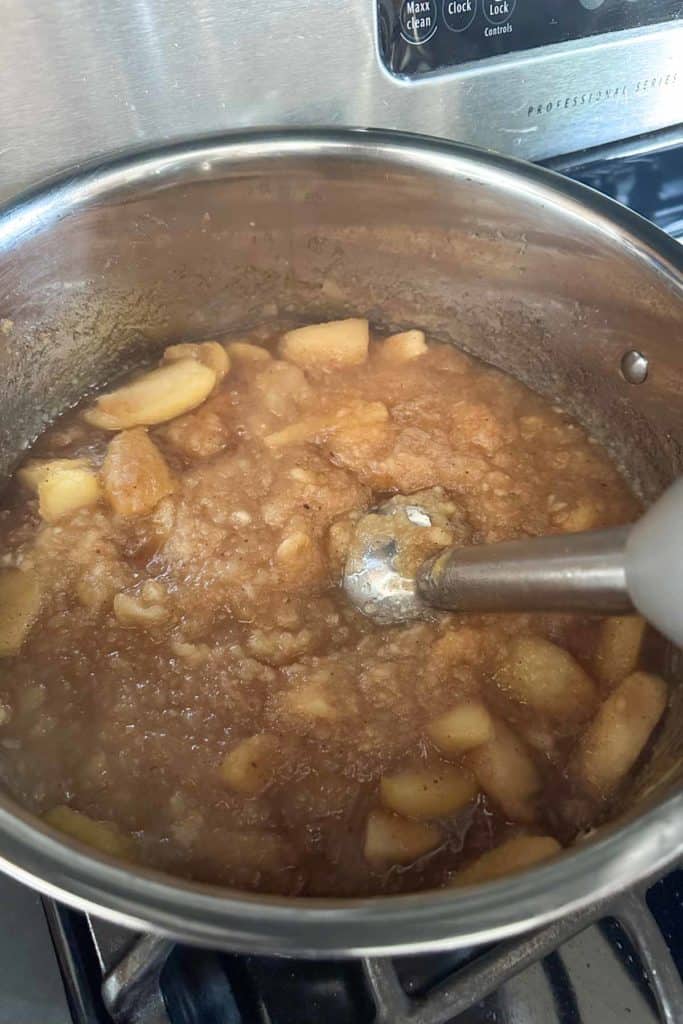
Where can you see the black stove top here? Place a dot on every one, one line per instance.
(610, 964)
(645, 174)
(615, 962)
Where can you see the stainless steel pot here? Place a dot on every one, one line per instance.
(534, 274)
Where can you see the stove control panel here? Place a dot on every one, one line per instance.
(422, 36)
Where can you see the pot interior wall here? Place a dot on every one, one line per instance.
(106, 273)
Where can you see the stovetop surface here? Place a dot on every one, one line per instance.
(645, 174)
(596, 977)
(620, 961)
(613, 964)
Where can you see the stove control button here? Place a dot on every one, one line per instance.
(497, 12)
(459, 14)
(418, 20)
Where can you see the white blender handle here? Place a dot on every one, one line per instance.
(654, 564)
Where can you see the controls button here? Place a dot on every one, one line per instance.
(459, 14)
(497, 12)
(418, 20)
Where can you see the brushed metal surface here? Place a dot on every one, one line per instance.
(564, 572)
(519, 266)
(81, 79)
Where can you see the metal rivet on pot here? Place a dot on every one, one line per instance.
(634, 367)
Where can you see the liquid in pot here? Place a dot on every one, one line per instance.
(183, 683)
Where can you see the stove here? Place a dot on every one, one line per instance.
(530, 78)
(540, 79)
(608, 964)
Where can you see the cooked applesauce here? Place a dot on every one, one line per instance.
(184, 684)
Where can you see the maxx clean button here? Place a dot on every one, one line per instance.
(459, 14)
(418, 20)
(497, 12)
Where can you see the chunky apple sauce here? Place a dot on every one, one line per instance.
(183, 683)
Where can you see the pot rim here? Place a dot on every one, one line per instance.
(622, 854)
(206, 915)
